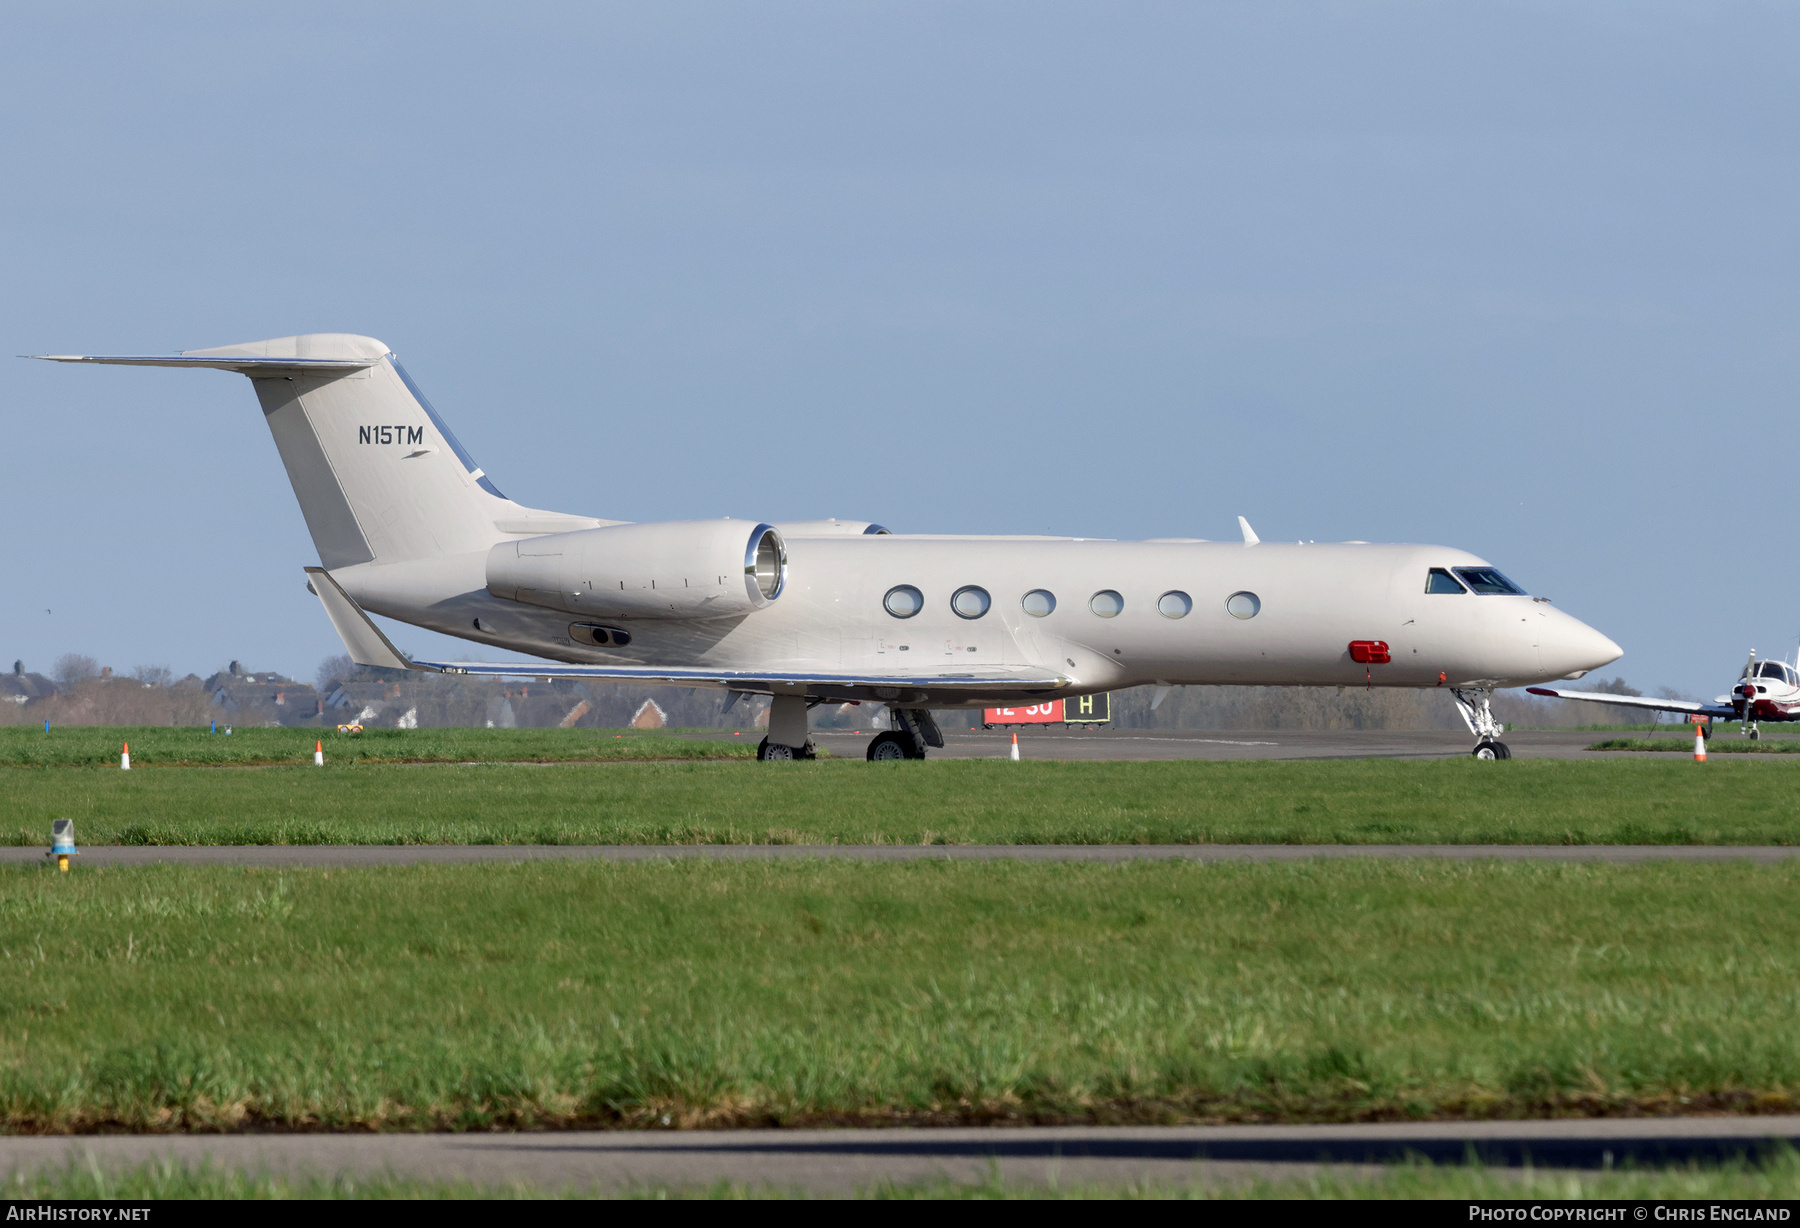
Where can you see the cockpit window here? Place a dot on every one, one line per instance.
(1441, 581)
(1487, 581)
(1774, 669)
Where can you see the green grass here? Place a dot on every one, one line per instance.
(1714, 745)
(1630, 800)
(1775, 1175)
(154, 746)
(759, 994)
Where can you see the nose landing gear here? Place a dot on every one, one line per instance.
(1476, 706)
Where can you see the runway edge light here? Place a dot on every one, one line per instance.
(62, 842)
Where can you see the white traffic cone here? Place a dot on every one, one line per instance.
(319, 754)
(125, 758)
(1015, 748)
(1699, 743)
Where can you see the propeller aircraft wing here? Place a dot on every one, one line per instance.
(1691, 708)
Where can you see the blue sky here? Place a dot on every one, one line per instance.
(1517, 278)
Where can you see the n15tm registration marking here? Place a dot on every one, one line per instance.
(390, 434)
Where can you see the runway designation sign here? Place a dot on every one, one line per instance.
(1050, 713)
(1085, 710)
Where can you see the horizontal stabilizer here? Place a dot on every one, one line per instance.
(362, 638)
(1639, 701)
(244, 366)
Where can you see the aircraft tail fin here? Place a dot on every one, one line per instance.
(378, 474)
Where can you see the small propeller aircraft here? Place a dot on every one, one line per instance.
(1765, 691)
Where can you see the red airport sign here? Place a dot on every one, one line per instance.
(1049, 713)
(1083, 710)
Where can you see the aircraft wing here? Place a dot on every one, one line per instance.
(1021, 680)
(1721, 711)
(368, 646)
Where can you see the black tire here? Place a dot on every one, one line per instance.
(892, 745)
(1756, 735)
(775, 751)
(1492, 750)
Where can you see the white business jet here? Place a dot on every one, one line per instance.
(407, 526)
(1765, 691)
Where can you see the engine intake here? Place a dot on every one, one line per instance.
(677, 569)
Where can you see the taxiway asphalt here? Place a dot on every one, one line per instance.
(850, 1161)
(1078, 743)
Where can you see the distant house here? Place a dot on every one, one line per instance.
(263, 698)
(649, 716)
(21, 688)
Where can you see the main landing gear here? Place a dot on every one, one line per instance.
(914, 730)
(893, 745)
(1475, 704)
(917, 730)
(777, 750)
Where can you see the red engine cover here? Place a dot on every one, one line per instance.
(1370, 652)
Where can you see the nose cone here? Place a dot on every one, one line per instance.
(1569, 646)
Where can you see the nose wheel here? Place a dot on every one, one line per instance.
(1492, 750)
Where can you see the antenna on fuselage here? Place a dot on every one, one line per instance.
(1250, 537)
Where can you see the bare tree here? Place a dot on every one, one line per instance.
(73, 667)
(153, 675)
(334, 669)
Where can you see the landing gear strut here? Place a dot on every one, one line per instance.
(787, 730)
(1475, 704)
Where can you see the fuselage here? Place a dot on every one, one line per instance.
(1118, 614)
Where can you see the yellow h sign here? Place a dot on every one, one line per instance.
(1088, 710)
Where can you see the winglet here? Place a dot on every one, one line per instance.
(1250, 537)
(364, 640)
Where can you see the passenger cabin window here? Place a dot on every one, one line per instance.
(1441, 581)
(1488, 582)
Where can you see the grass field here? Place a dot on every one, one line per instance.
(686, 994)
(1631, 800)
(153, 746)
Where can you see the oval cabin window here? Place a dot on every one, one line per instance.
(970, 601)
(903, 601)
(1243, 605)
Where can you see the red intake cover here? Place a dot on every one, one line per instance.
(1369, 652)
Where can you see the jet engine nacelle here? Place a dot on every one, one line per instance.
(678, 569)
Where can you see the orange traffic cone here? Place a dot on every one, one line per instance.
(1015, 748)
(319, 753)
(125, 758)
(1699, 743)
